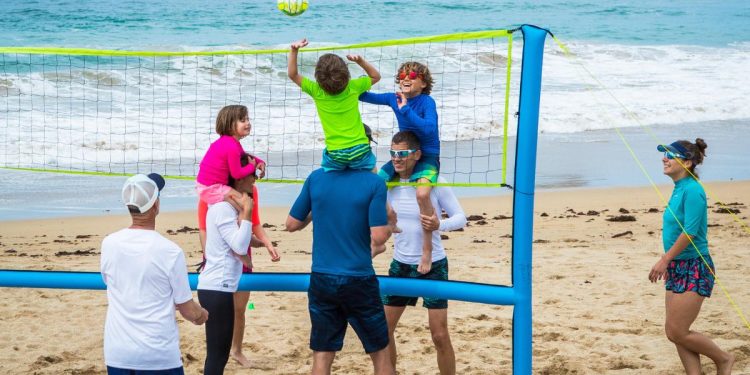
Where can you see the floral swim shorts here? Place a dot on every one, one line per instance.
(691, 275)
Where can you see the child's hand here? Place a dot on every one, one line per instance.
(275, 257)
(400, 99)
(355, 58)
(299, 44)
(261, 168)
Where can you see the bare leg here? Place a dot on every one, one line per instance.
(202, 236)
(682, 310)
(691, 361)
(392, 218)
(382, 363)
(392, 316)
(322, 362)
(446, 357)
(240, 302)
(425, 208)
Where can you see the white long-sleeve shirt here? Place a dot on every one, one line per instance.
(224, 238)
(408, 243)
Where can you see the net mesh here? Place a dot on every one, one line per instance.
(126, 112)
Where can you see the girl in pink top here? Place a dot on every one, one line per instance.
(223, 157)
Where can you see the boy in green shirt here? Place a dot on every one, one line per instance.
(336, 98)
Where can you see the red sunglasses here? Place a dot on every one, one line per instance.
(412, 75)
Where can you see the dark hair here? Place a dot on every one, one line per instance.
(408, 137)
(695, 152)
(332, 74)
(134, 209)
(228, 117)
(419, 68)
(244, 160)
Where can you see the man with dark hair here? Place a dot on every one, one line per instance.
(407, 249)
(146, 279)
(350, 227)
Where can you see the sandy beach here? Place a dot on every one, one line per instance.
(594, 310)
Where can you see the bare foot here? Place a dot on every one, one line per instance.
(425, 264)
(239, 357)
(392, 220)
(725, 368)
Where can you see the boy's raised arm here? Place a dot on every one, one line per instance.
(291, 68)
(366, 66)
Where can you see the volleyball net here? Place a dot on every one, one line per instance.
(111, 112)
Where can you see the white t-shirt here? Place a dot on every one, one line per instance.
(224, 238)
(407, 246)
(146, 276)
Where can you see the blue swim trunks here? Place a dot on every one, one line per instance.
(334, 300)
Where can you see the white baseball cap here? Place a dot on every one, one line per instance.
(142, 191)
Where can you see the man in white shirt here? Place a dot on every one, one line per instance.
(405, 152)
(146, 279)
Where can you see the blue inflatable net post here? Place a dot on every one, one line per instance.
(523, 195)
(518, 295)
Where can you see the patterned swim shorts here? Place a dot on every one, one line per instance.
(691, 275)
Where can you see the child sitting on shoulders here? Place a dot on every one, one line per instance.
(415, 111)
(336, 99)
(222, 158)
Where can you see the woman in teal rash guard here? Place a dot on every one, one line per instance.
(686, 266)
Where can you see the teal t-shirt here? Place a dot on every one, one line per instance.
(688, 203)
(339, 114)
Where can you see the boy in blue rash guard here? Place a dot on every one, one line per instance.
(415, 111)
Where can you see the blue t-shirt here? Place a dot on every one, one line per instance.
(344, 205)
(688, 203)
(419, 115)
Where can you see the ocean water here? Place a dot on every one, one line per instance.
(678, 69)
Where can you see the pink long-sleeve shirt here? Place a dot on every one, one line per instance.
(223, 159)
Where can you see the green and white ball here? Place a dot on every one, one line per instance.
(292, 7)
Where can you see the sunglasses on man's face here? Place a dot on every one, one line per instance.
(402, 75)
(401, 154)
(671, 155)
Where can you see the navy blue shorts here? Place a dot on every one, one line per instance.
(335, 300)
(122, 371)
